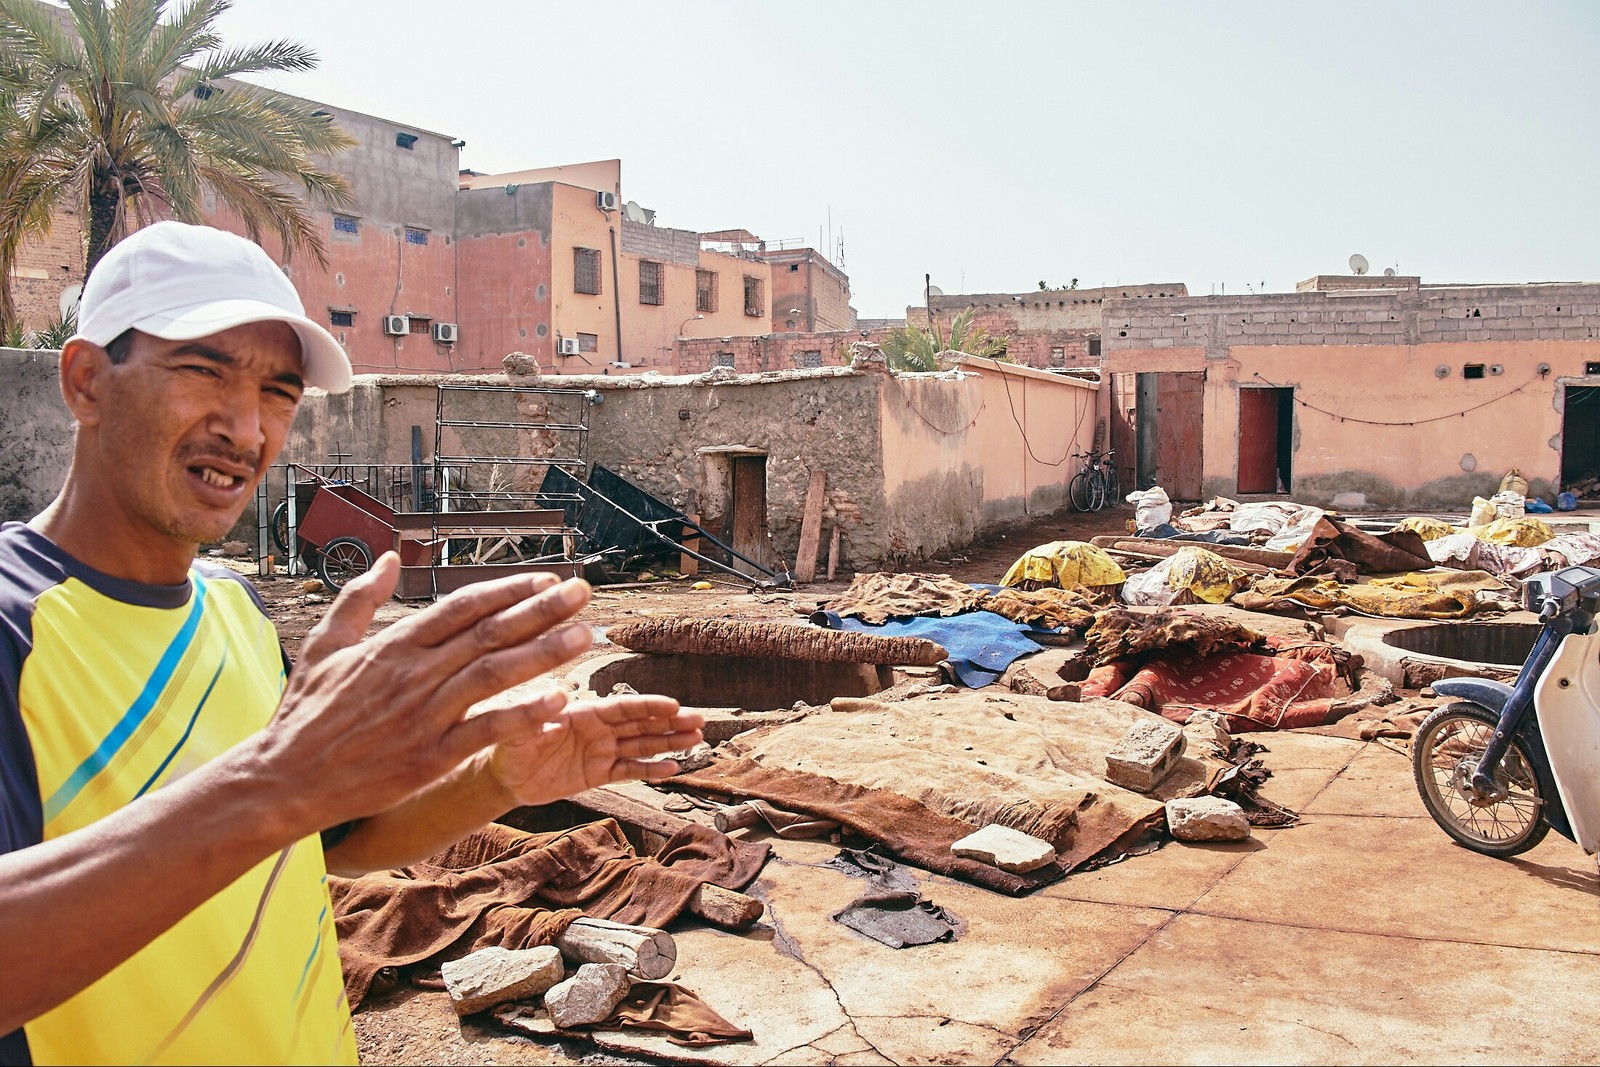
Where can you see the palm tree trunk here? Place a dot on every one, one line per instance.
(103, 202)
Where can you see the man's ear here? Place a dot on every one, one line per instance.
(83, 369)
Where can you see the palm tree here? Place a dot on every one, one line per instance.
(914, 349)
(123, 116)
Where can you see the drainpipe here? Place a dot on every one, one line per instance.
(616, 291)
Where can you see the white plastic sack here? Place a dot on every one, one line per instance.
(1151, 507)
(1509, 504)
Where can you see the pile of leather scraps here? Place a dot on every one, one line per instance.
(1342, 551)
(1189, 576)
(1049, 608)
(1431, 595)
(1469, 551)
(876, 598)
(1427, 528)
(1065, 564)
(512, 889)
(1122, 634)
(891, 909)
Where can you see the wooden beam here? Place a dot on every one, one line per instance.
(805, 564)
(833, 552)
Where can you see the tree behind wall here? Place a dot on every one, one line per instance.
(124, 117)
(912, 348)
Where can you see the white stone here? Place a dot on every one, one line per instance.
(589, 996)
(1350, 499)
(1209, 725)
(1145, 754)
(1207, 819)
(493, 976)
(1010, 850)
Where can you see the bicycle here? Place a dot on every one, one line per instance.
(1097, 484)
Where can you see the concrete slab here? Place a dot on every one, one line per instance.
(1406, 878)
(1377, 782)
(1210, 990)
(1173, 877)
(963, 1001)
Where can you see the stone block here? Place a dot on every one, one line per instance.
(1010, 850)
(494, 976)
(589, 996)
(1144, 755)
(1207, 819)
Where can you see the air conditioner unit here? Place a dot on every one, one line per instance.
(605, 201)
(446, 333)
(621, 365)
(568, 346)
(396, 325)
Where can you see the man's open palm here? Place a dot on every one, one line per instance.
(591, 743)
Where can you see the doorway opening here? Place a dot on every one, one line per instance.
(1266, 440)
(1580, 437)
(733, 502)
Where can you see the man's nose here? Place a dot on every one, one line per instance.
(237, 419)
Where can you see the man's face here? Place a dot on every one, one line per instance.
(187, 428)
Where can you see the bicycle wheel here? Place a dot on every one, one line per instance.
(342, 559)
(1097, 486)
(1444, 756)
(1079, 492)
(1113, 486)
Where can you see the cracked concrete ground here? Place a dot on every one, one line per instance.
(1363, 935)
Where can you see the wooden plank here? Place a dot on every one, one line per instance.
(1161, 546)
(833, 553)
(805, 564)
(687, 564)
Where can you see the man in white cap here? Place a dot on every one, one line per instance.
(167, 788)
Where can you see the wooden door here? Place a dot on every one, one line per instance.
(750, 535)
(1180, 404)
(1258, 440)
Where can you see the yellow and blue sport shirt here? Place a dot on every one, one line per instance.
(110, 689)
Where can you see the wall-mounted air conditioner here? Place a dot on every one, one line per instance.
(446, 333)
(605, 201)
(396, 325)
(568, 346)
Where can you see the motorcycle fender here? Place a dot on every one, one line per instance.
(1487, 692)
(1567, 699)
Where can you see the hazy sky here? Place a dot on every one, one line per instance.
(997, 144)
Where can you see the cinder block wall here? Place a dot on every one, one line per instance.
(38, 433)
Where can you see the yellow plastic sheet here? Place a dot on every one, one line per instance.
(1065, 564)
(1426, 528)
(1207, 575)
(1524, 532)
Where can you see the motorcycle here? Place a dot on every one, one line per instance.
(1505, 764)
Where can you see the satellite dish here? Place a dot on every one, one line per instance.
(633, 212)
(934, 290)
(69, 299)
(1358, 264)
(1388, 272)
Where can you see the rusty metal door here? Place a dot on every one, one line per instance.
(1124, 422)
(1258, 440)
(1180, 402)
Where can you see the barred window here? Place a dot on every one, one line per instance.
(588, 342)
(586, 270)
(1094, 348)
(753, 303)
(420, 325)
(415, 236)
(722, 359)
(342, 318)
(345, 224)
(811, 357)
(705, 290)
(649, 282)
(1058, 356)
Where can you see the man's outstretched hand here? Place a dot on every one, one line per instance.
(562, 751)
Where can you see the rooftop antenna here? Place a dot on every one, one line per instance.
(1358, 264)
(633, 212)
(1388, 272)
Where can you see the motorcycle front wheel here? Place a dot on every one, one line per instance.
(1444, 755)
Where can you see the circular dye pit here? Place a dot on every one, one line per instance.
(746, 682)
(1501, 643)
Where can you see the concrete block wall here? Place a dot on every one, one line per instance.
(1429, 315)
(771, 352)
(660, 242)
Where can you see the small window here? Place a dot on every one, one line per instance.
(811, 357)
(1058, 357)
(588, 342)
(1591, 368)
(754, 305)
(206, 92)
(794, 268)
(649, 282)
(586, 270)
(722, 359)
(1472, 370)
(405, 140)
(415, 236)
(420, 325)
(345, 224)
(1094, 348)
(342, 318)
(705, 290)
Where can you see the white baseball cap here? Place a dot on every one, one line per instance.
(180, 282)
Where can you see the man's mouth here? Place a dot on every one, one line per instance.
(217, 478)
